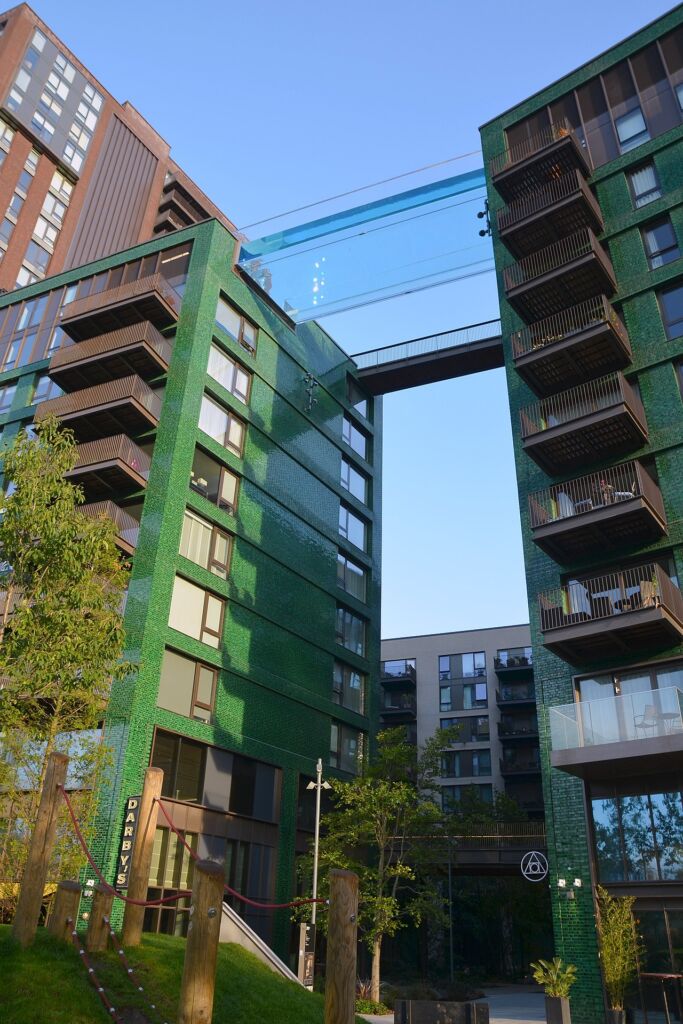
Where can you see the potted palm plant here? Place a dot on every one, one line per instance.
(556, 978)
(620, 949)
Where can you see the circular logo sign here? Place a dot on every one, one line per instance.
(534, 866)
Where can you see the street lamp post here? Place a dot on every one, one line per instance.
(309, 940)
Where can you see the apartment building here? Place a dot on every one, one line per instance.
(585, 183)
(481, 681)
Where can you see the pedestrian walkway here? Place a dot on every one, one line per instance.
(514, 1004)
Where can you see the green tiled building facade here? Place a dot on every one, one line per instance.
(236, 453)
(585, 184)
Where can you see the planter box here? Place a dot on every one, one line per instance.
(423, 1011)
(557, 1010)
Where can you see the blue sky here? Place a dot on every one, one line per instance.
(274, 104)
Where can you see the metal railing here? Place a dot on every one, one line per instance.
(527, 728)
(509, 694)
(406, 703)
(513, 657)
(127, 527)
(534, 144)
(102, 344)
(560, 326)
(110, 449)
(647, 714)
(522, 833)
(398, 669)
(521, 764)
(582, 400)
(596, 490)
(122, 293)
(568, 184)
(552, 257)
(642, 587)
(132, 387)
(461, 336)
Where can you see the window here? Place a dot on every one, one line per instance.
(451, 796)
(357, 397)
(351, 527)
(355, 438)
(350, 631)
(679, 376)
(215, 482)
(459, 764)
(231, 375)
(26, 277)
(204, 544)
(222, 425)
(43, 389)
(37, 257)
(7, 397)
(187, 687)
(61, 186)
(196, 613)
(354, 482)
(54, 209)
(6, 135)
(463, 696)
(631, 129)
(671, 308)
(660, 242)
(461, 666)
(348, 687)
(472, 729)
(234, 324)
(346, 747)
(47, 232)
(44, 129)
(638, 832)
(182, 761)
(399, 669)
(6, 229)
(350, 576)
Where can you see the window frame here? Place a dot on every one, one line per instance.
(343, 560)
(677, 286)
(213, 562)
(240, 339)
(657, 258)
(194, 700)
(236, 369)
(203, 628)
(230, 415)
(639, 201)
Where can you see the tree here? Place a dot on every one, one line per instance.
(61, 627)
(378, 828)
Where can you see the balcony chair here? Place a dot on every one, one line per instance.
(648, 721)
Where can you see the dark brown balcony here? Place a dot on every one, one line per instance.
(138, 349)
(522, 764)
(112, 465)
(149, 298)
(127, 527)
(559, 208)
(601, 419)
(399, 673)
(126, 406)
(177, 208)
(615, 508)
(513, 662)
(563, 274)
(516, 695)
(621, 613)
(518, 729)
(571, 347)
(530, 164)
(399, 708)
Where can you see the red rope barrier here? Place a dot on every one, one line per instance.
(105, 883)
(228, 889)
(123, 960)
(94, 980)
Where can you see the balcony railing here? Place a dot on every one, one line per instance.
(567, 185)
(551, 258)
(121, 341)
(148, 298)
(398, 671)
(131, 388)
(112, 449)
(127, 527)
(601, 598)
(647, 714)
(513, 658)
(405, 704)
(561, 326)
(527, 729)
(585, 494)
(516, 694)
(520, 765)
(583, 400)
(529, 147)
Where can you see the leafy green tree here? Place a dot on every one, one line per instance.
(61, 628)
(385, 825)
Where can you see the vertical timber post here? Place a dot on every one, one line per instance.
(201, 949)
(342, 933)
(40, 851)
(141, 861)
(99, 922)
(64, 913)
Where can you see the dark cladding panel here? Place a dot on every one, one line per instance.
(117, 197)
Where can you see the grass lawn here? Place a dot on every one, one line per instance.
(47, 984)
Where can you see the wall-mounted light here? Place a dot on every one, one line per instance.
(567, 888)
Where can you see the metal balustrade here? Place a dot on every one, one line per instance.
(566, 185)
(552, 257)
(112, 342)
(111, 449)
(121, 294)
(115, 391)
(529, 147)
(604, 489)
(583, 400)
(606, 597)
(560, 326)
(622, 718)
(127, 527)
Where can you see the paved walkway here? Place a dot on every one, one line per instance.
(513, 1005)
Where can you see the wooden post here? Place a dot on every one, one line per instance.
(201, 950)
(142, 857)
(64, 913)
(40, 851)
(342, 932)
(99, 922)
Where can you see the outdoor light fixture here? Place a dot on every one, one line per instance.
(318, 785)
(577, 883)
(562, 883)
(567, 889)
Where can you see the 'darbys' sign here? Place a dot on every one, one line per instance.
(130, 826)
